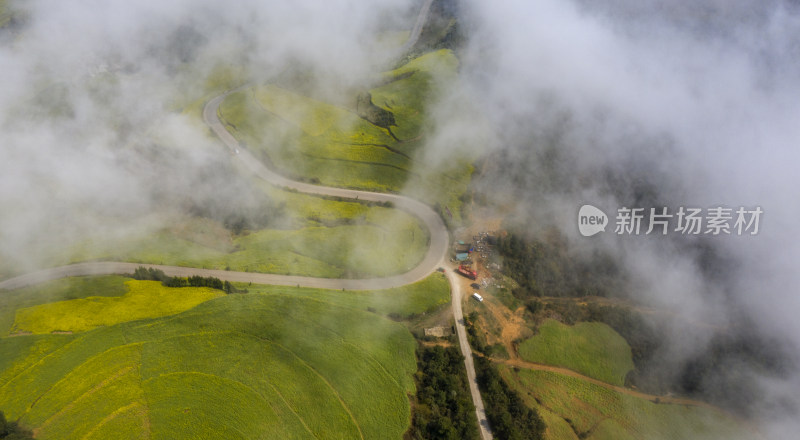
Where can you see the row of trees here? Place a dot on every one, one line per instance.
(143, 273)
(443, 408)
(508, 415)
(196, 281)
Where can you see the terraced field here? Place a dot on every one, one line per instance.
(306, 137)
(590, 348)
(575, 409)
(282, 363)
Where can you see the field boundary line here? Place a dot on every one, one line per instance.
(324, 379)
(111, 417)
(104, 383)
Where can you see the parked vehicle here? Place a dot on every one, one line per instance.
(467, 272)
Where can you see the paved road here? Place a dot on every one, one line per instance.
(437, 249)
(434, 257)
(463, 342)
(439, 237)
(416, 31)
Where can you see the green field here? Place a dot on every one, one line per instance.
(54, 291)
(143, 299)
(81, 303)
(590, 348)
(310, 236)
(307, 138)
(317, 237)
(5, 14)
(404, 301)
(314, 237)
(297, 362)
(238, 366)
(576, 409)
(304, 137)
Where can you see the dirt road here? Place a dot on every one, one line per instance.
(519, 363)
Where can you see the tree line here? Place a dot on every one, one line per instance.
(547, 267)
(443, 408)
(150, 274)
(508, 415)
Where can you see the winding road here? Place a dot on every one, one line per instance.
(434, 257)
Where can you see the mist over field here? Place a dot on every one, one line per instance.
(645, 104)
(95, 139)
(613, 103)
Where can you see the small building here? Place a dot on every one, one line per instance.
(462, 256)
(439, 332)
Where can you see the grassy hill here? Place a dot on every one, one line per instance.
(80, 303)
(575, 409)
(590, 348)
(278, 362)
(238, 366)
(307, 138)
(311, 236)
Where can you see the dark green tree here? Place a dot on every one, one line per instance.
(12, 431)
(3, 425)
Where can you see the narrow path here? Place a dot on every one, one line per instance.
(668, 400)
(519, 363)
